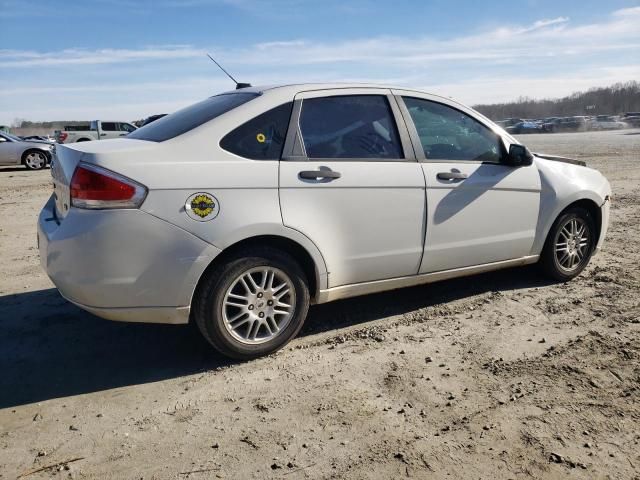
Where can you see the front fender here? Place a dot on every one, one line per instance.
(563, 184)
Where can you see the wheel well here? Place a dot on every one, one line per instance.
(591, 207)
(297, 251)
(83, 140)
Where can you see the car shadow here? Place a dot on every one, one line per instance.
(462, 194)
(49, 348)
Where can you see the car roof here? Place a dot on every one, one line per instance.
(294, 88)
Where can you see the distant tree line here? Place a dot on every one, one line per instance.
(613, 100)
(54, 125)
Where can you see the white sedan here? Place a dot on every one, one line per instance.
(240, 211)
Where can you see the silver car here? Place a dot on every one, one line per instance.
(240, 211)
(33, 154)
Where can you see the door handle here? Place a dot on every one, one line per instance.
(316, 174)
(451, 175)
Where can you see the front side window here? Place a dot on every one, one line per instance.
(261, 138)
(349, 127)
(125, 127)
(191, 117)
(449, 134)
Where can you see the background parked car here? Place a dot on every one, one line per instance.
(525, 127)
(34, 155)
(632, 119)
(566, 124)
(98, 130)
(152, 118)
(509, 122)
(607, 122)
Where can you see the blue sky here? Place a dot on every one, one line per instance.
(126, 59)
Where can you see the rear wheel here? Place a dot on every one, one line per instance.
(253, 304)
(35, 159)
(569, 245)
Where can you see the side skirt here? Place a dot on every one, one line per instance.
(354, 290)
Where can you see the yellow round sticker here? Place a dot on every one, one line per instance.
(261, 138)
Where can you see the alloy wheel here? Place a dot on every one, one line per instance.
(258, 305)
(572, 244)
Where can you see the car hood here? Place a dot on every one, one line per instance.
(36, 143)
(556, 158)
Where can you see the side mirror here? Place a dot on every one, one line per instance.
(519, 156)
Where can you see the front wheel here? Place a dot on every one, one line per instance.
(569, 245)
(253, 304)
(35, 159)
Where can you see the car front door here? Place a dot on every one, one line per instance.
(9, 151)
(480, 210)
(350, 182)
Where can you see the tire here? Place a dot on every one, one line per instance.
(228, 321)
(35, 159)
(567, 251)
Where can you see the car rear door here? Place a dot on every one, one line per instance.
(350, 182)
(480, 210)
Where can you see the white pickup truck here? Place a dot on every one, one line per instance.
(98, 130)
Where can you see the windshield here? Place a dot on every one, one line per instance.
(191, 117)
(11, 137)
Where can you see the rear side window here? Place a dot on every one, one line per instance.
(261, 138)
(349, 127)
(191, 117)
(108, 126)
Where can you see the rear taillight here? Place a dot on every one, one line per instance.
(62, 136)
(98, 188)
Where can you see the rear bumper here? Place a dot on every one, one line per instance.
(124, 265)
(168, 315)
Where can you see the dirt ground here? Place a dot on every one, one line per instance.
(498, 376)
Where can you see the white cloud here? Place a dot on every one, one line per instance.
(544, 23)
(541, 39)
(11, 59)
(627, 12)
(547, 58)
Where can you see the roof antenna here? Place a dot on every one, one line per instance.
(239, 85)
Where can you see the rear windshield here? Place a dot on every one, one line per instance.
(191, 117)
